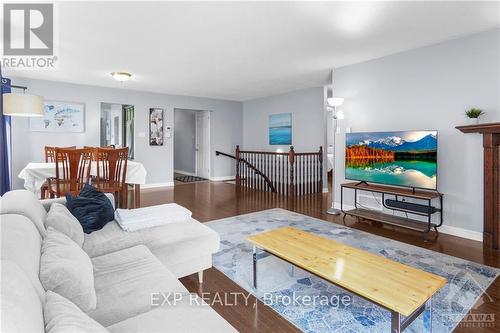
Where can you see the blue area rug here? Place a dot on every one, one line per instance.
(277, 286)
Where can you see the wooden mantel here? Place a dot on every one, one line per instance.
(491, 164)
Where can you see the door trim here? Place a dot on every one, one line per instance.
(209, 153)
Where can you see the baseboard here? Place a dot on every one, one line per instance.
(444, 229)
(154, 185)
(222, 178)
(460, 232)
(182, 172)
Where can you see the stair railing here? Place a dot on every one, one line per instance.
(287, 173)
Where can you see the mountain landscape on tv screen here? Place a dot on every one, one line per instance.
(407, 158)
(427, 143)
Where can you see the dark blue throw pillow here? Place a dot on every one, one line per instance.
(92, 208)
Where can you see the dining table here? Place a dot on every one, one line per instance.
(34, 175)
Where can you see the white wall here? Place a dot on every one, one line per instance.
(307, 111)
(184, 140)
(226, 126)
(308, 121)
(430, 88)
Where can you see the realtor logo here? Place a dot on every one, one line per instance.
(28, 29)
(28, 36)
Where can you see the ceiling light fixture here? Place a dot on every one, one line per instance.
(121, 76)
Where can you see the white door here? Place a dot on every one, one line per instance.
(203, 144)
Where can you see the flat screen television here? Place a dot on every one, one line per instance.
(404, 158)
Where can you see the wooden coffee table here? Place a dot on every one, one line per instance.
(401, 289)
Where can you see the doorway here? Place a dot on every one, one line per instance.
(192, 145)
(117, 126)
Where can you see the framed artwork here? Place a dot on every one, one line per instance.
(155, 127)
(60, 117)
(280, 129)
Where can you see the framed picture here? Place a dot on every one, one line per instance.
(60, 117)
(155, 127)
(280, 129)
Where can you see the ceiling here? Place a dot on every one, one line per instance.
(240, 51)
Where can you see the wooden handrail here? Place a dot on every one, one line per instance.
(267, 152)
(251, 166)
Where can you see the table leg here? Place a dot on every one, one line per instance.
(395, 322)
(429, 308)
(137, 196)
(255, 267)
(125, 197)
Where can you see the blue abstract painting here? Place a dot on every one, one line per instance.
(280, 129)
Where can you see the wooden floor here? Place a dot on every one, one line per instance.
(210, 201)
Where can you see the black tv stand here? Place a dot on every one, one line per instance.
(399, 197)
(362, 183)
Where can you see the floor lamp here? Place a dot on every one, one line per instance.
(333, 105)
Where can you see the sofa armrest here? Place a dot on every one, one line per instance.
(46, 203)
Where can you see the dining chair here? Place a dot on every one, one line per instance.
(72, 171)
(111, 170)
(50, 157)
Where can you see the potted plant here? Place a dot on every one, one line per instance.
(474, 114)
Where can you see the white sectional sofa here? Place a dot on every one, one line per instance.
(128, 268)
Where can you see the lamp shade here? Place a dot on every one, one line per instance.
(340, 114)
(335, 101)
(22, 105)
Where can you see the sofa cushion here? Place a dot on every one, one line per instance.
(92, 208)
(67, 270)
(61, 316)
(20, 306)
(189, 315)
(25, 203)
(124, 282)
(61, 219)
(172, 244)
(21, 243)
